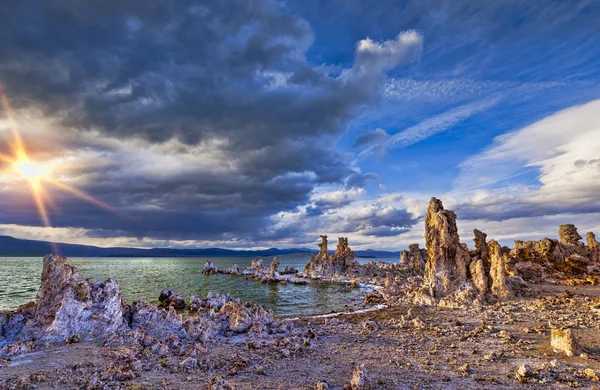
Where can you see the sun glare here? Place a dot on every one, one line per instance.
(32, 171)
(38, 175)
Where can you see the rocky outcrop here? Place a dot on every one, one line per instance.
(564, 258)
(414, 258)
(455, 272)
(325, 265)
(65, 308)
(447, 259)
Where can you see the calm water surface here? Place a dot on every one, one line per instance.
(146, 277)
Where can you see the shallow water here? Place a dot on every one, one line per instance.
(146, 277)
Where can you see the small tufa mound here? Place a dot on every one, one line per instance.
(360, 379)
(209, 268)
(563, 341)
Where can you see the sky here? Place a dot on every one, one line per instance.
(254, 124)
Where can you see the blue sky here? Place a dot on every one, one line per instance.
(264, 123)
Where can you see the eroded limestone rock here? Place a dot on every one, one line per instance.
(65, 308)
(360, 379)
(478, 276)
(209, 268)
(325, 265)
(498, 271)
(414, 258)
(273, 274)
(447, 259)
(563, 341)
(568, 235)
(482, 250)
(593, 247)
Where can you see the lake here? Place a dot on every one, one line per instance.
(146, 277)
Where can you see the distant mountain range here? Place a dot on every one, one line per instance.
(10, 246)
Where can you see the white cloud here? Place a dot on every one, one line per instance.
(373, 58)
(439, 123)
(564, 148)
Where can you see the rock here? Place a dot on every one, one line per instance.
(523, 372)
(273, 274)
(563, 341)
(389, 280)
(360, 379)
(568, 235)
(66, 309)
(321, 385)
(592, 374)
(325, 265)
(478, 276)
(165, 295)
(189, 364)
(445, 270)
(530, 272)
(465, 369)
(593, 247)
(209, 268)
(289, 271)
(241, 317)
(414, 258)
(482, 250)
(498, 271)
(169, 298)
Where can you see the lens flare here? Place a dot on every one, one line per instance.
(37, 174)
(32, 171)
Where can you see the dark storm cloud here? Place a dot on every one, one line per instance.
(230, 73)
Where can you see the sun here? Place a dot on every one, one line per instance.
(36, 174)
(31, 170)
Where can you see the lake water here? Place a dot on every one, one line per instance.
(146, 277)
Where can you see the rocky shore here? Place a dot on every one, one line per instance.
(449, 317)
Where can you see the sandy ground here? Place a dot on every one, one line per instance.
(426, 348)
